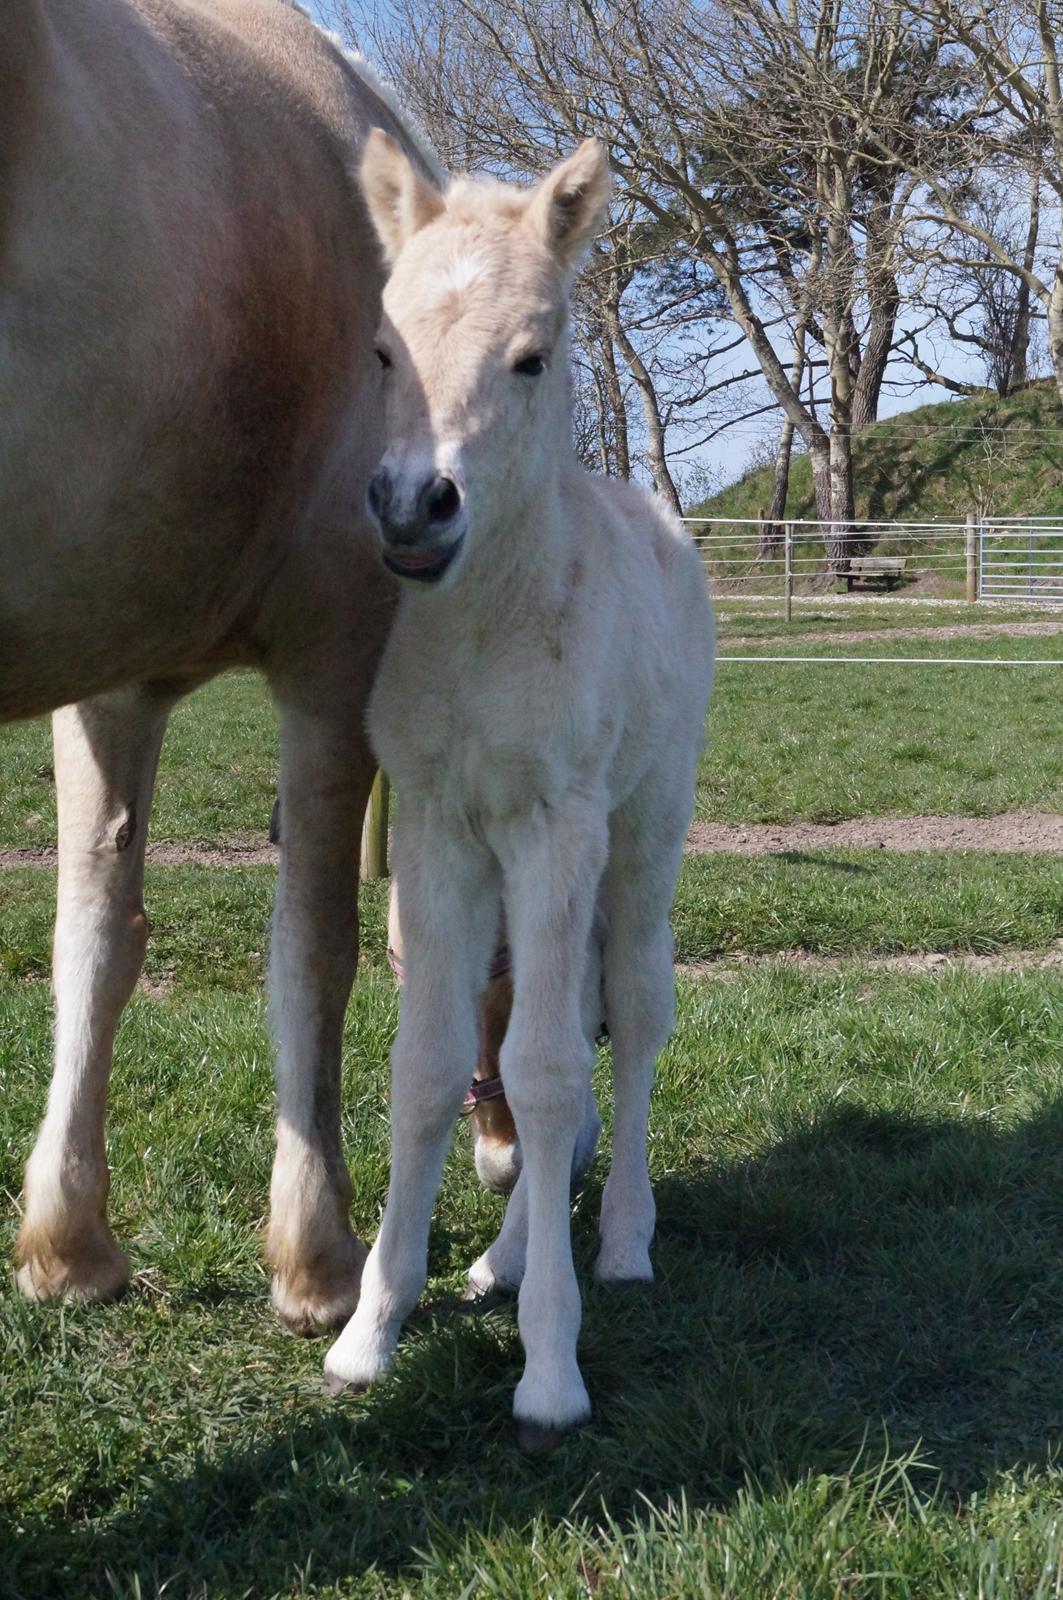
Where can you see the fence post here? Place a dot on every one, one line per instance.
(375, 830)
(972, 560)
(788, 557)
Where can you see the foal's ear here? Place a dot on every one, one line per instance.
(400, 201)
(569, 206)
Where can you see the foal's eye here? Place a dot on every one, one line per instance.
(530, 366)
(383, 357)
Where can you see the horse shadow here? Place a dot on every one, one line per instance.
(867, 1277)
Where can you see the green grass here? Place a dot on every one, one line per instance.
(210, 926)
(822, 743)
(847, 1380)
(786, 743)
(217, 776)
(934, 463)
(736, 617)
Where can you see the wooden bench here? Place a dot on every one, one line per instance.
(875, 571)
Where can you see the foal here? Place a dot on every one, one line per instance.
(540, 708)
(495, 1146)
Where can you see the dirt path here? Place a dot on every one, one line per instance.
(733, 965)
(1012, 832)
(974, 630)
(240, 851)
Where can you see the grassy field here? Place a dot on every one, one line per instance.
(787, 743)
(834, 614)
(848, 1378)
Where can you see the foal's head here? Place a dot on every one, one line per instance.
(473, 343)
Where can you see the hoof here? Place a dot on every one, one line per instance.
(99, 1273)
(626, 1266)
(311, 1300)
(542, 1439)
(334, 1385)
(355, 1362)
(483, 1281)
(477, 1298)
(497, 1163)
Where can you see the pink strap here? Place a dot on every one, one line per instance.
(482, 1089)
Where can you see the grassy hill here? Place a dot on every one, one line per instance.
(940, 461)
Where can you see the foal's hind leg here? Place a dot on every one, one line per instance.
(106, 751)
(645, 852)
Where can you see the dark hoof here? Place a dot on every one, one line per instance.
(542, 1439)
(335, 1385)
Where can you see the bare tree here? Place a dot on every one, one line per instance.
(1007, 132)
(721, 128)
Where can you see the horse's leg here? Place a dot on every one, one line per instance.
(326, 774)
(106, 751)
(449, 917)
(495, 1146)
(551, 869)
(645, 852)
(501, 1267)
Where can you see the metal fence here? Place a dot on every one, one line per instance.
(746, 557)
(1020, 559)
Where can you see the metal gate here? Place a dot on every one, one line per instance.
(1020, 558)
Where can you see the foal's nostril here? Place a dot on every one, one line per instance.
(442, 501)
(376, 493)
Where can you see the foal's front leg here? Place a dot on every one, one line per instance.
(449, 917)
(552, 868)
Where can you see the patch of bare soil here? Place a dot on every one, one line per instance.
(973, 630)
(736, 962)
(241, 851)
(1018, 832)
(1011, 832)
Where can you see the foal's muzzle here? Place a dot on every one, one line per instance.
(421, 534)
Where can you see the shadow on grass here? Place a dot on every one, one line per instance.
(811, 858)
(867, 1277)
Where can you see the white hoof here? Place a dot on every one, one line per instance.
(628, 1265)
(548, 1405)
(360, 1357)
(497, 1165)
(486, 1278)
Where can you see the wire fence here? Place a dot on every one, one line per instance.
(997, 560)
(805, 558)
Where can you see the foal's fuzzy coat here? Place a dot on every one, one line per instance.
(540, 709)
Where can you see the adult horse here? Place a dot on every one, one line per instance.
(188, 416)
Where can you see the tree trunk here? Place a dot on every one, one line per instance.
(838, 333)
(614, 390)
(662, 478)
(772, 530)
(876, 354)
(884, 299)
(1019, 374)
(1054, 312)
